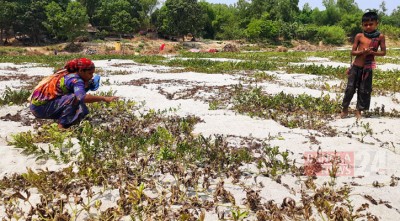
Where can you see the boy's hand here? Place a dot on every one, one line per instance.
(110, 99)
(366, 51)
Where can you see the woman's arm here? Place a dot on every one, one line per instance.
(94, 98)
(79, 90)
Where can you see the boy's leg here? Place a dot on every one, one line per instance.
(358, 114)
(364, 91)
(349, 92)
(344, 113)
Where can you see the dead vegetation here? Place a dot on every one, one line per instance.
(136, 157)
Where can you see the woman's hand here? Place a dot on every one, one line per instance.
(110, 99)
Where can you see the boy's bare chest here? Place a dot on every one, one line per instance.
(364, 42)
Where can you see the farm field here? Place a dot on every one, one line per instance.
(204, 136)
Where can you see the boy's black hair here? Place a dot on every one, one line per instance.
(370, 16)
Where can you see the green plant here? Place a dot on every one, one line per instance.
(263, 76)
(255, 103)
(273, 162)
(25, 141)
(237, 214)
(321, 70)
(213, 105)
(48, 133)
(11, 97)
(122, 146)
(367, 131)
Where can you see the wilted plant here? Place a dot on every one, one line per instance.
(123, 147)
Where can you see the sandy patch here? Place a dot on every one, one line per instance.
(375, 155)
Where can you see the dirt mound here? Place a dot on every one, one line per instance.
(230, 48)
(167, 49)
(305, 48)
(72, 47)
(302, 45)
(281, 49)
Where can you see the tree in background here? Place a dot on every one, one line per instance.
(207, 17)
(331, 15)
(244, 13)
(148, 8)
(281, 15)
(157, 19)
(67, 24)
(307, 32)
(285, 10)
(7, 17)
(41, 20)
(122, 22)
(180, 17)
(106, 10)
(304, 15)
(382, 13)
(351, 23)
(109, 16)
(226, 23)
(347, 6)
(391, 24)
(30, 18)
(91, 7)
(394, 18)
(263, 28)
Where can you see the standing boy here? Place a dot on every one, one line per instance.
(365, 48)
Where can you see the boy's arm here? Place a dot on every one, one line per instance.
(354, 50)
(382, 45)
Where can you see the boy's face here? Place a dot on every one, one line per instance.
(369, 26)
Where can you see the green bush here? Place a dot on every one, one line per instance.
(229, 32)
(333, 35)
(262, 29)
(351, 24)
(307, 32)
(101, 34)
(253, 30)
(390, 31)
(288, 30)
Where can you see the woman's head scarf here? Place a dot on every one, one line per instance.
(79, 64)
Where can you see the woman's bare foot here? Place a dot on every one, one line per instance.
(60, 126)
(358, 114)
